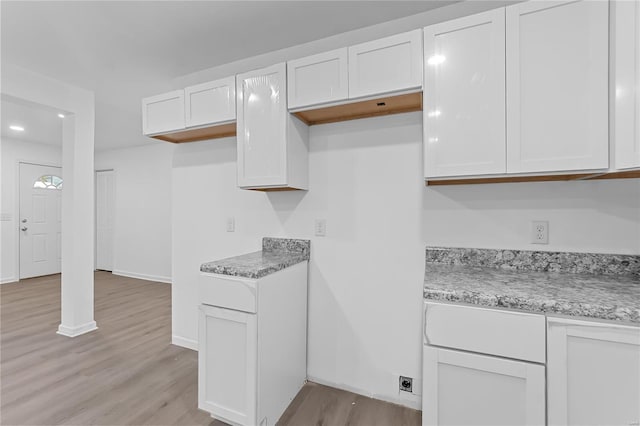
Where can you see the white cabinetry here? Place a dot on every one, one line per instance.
(201, 112)
(386, 65)
(252, 345)
(627, 85)
(540, 70)
(462, 388)
(211, 102)
(557, 86)
(593, 373)
(228, 338)
(464, 110)
(272, 144)
(483, 387)
(318, 79)
(163, 113)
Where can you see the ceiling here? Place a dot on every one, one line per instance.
(125, 50)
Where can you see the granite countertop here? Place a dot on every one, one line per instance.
(276, 254)
(585, 285)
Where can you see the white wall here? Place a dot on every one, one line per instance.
(366, 276)
(142, 239)
(11, 152)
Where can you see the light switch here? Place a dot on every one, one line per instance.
(231, 224)
(320, 227)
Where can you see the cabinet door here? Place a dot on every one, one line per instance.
(262, 143)
(318, 79)
(593, 373)
(557, 86)
(464, 89)
(227, 364)
(386, 65)
(627, 83)
(461, 388)
(163, 113)
(211, 102)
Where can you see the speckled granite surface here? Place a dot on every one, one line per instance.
(541, 261)
(276, 254)
(520, 284)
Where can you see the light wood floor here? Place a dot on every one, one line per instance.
(127, 372)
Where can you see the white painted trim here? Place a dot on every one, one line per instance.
(184, 342)
(9, 280)
(146, 277)
(77, 331)
(416, 405)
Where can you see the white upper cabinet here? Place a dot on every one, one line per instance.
(272, 144)
(211, 102)
(387, 65)
(627, 85)
(318, 79)
(163, 113)
(464, 91)
(557, 86)
(593, 373)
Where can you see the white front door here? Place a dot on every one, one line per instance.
(40, 220)
(104, 219)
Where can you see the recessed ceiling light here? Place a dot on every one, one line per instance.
(61, 115)
(17, 128)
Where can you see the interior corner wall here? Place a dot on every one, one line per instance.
(11, 152)
(142, 229)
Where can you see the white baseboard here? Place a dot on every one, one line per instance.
(8, 280)
(146, 277)
(185, 343)
(77, 330)
(416, 403)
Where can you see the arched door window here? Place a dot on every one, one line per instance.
(48, 182)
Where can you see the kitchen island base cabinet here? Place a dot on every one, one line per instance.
(462, 388)
(252, 364)
(593, 373)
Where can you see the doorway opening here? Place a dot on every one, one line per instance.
(105, 219)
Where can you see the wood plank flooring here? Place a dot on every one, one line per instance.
(127, 372)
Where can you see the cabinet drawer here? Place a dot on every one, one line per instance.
(494, 332)
(228, 292)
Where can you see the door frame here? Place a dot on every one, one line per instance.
(18, 199)
(95, 211)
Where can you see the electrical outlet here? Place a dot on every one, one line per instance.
(231, 224)
(320, 227)
(406, 384)
(540, 232)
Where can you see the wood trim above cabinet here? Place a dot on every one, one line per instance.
(540, 178)
(363, 109)
(200, 134)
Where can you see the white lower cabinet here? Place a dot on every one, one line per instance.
(482, 366)
(228, 338)
(252, 348)
(462, 388)
(593, 373)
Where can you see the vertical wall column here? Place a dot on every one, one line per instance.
(78, 217)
